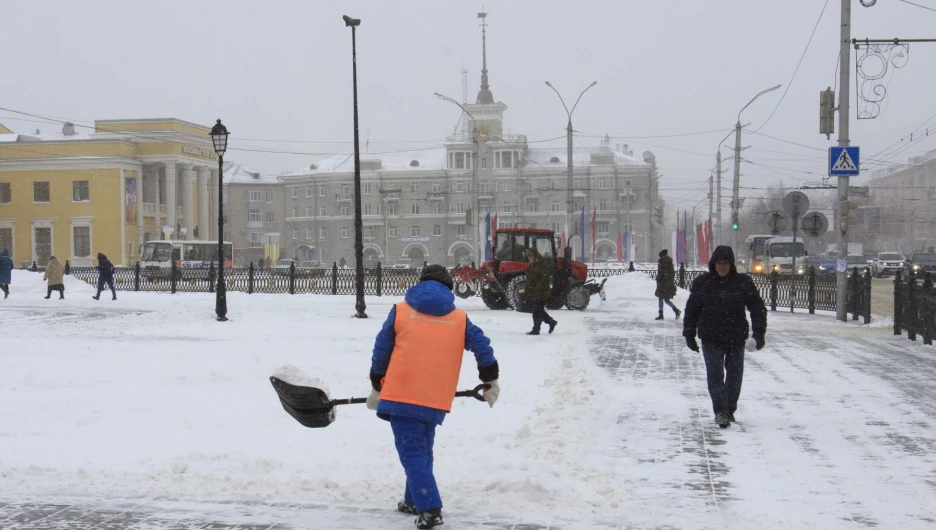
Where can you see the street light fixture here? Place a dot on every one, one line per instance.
(474, 174)
(219, 138)
(569, 184)
(737, 168)
(359, 305)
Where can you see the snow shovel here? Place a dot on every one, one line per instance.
(311, 407)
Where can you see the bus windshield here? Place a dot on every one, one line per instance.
(156, 251)
(785, 250)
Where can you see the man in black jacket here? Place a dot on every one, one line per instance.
(715, 309)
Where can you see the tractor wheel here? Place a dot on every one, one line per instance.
(517, 283)
(577, 298)
(494, 299)
(555, 303)
(462, 289)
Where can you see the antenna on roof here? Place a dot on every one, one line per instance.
(367, 142)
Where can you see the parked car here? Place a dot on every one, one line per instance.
(919, 263)
(827, 264)
(282, 267)
(886, 263)
(307, 265)
(404, 263)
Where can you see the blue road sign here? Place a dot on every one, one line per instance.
(843, 161)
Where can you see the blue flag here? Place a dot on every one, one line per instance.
(487, 237)
(625, 247)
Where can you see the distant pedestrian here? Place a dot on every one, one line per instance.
(717, 301)
(342, 262)
(414, 374)
(55, 274)
(6, 268)
(105, 276)
(666, 283)
(539, 290)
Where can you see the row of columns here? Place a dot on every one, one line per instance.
(202, 178)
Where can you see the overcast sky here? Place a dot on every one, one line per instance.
(278, 74)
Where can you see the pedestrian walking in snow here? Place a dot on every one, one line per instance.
(715, 310)
(105, 276)
(538, 289)
(6, 272)
(414, 374)
(666, 284)
(55, 275)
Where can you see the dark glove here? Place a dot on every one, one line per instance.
(375, 380)
(759, 340)
(692, 344)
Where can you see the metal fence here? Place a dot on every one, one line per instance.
(915, 307)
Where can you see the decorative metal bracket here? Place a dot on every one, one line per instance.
(875, 60)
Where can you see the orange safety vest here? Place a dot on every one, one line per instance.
(426, 359)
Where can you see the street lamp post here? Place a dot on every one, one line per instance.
(219, 138)
(359, 305)
(737, 168)
(474, 176)
(569, 183)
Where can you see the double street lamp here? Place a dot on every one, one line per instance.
(569, 184)
(359, 305)
(219, 138)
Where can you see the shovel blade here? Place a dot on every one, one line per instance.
(308, 405)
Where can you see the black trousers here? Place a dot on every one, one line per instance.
(724, 364)
(540, 315)
(60, 287)
(5, 287)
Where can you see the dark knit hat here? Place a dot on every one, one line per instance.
(437, 273)
(663, 252)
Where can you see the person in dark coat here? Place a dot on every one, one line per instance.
(538, 289)
(715, 310)
(666, 283)
(6, 268)
(105, 276)
(414, 374)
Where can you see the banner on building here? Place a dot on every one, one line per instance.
(130, 201)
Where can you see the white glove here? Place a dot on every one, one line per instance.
(750, 345)
(372, 399)
(491, 394)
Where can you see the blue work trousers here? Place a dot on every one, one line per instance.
(414, 441)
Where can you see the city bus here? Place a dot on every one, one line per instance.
(756, 254)
(780, 253)
(186, 254)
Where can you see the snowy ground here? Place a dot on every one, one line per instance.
(146, 413)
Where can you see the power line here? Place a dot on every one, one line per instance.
(918, 5)
(803, 56)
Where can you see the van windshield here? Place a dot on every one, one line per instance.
(156, 252)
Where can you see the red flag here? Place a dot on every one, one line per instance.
(620, 247)
(594, 234)
(700, 242)
(563, 242)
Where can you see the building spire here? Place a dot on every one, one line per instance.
(484, 95)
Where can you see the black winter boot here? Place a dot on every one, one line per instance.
(678, 313)
(405, 507)
(552, 326)
(660, 316)
(722, 420)
(429, 519)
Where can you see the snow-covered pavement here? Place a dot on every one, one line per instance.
(146, 413)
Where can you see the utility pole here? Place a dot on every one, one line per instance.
(735, 187)
(711, 181)
(841, 281)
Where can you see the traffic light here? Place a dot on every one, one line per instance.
(734, 221)
(827, 112)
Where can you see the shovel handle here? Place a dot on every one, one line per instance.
(474, 392)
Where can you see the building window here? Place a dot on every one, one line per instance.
(322, 211)
(603, 204)
(269, 215)
(555, 206)
(308, 211)
(436, 187)
(531, 206)
(459, 187)
(308, 192)
(40, 192)
(80, 191)
(391, 231)
(506, 207)
(483, 162)
(459, 160)
(82, 241)
(415, 208)
(437, 230)
(369, 232)
(557, 228)
(393, 208)
(506, 159)
(295, 192)
(414, 187)
(254, 215)
(345, 210)
(295, 214)
(437, 207)
(253, 239)
(577, 206)
(253, 196)
(460, 230)
(321, 190)
(367, 209)
(459, 207)
(295, 232)
(577, 184)
(269, 197)
(345, 232)
(602, 184)
(6, 240)
(322, 233)
(309, 232)
(414, 231)
(6, 194)
(345, 191)
(603, 227)
(503, 185)
(367, 188)
(482, 188)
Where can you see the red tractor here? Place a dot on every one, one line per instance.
(501, 279)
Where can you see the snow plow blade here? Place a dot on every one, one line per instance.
(312, 408)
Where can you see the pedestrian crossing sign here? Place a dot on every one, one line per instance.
(843, 161)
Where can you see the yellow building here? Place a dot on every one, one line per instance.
(73, 194)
